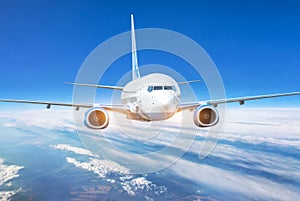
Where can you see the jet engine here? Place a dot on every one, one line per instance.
(96, 118)
(206, 116)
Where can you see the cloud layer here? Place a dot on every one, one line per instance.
(256, 157)
(117, 173)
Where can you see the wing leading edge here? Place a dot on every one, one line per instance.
(114, 108)
(125, 109)
(241, 100)
(96, 86)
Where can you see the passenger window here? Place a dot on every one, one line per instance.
(150, 88)
(158, 87)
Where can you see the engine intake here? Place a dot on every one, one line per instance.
(206, 116)
(96, 118)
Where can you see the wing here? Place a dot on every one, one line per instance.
(188, 82)
(241, 100)
(114, 108)
(96, 86)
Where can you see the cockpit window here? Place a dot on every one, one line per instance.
(168, 88)
(150, 88)
(158, 87)
(174, 88)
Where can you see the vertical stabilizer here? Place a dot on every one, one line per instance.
(135, 67)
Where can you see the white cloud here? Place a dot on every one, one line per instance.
(10, 125)
(136, 184)
(274, 125)
(6, 195)
(75, 150)
(271, 163)
(277, 127)
(269, 122)
(47, 119)
(232, 182)
(8, 173)
(99, 167)
(128, 182)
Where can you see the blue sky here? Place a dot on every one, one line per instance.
(254, 44)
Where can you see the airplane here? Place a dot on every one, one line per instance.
(153, 97)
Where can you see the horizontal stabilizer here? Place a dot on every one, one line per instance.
(96, 86)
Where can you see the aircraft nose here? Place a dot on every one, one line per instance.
(167, 101)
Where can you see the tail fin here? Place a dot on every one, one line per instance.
(135, 67)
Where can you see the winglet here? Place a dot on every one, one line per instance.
(135, 68)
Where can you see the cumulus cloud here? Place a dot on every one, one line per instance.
(8, 173)
(129, 183)
(6, 195)
(99, 167)
(141, 183)
(75, 150)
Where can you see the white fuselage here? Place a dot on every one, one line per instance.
(153, 97)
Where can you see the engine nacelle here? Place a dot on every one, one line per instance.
(96, 118)
(206, 116)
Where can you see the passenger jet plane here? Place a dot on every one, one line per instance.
(153, 97)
